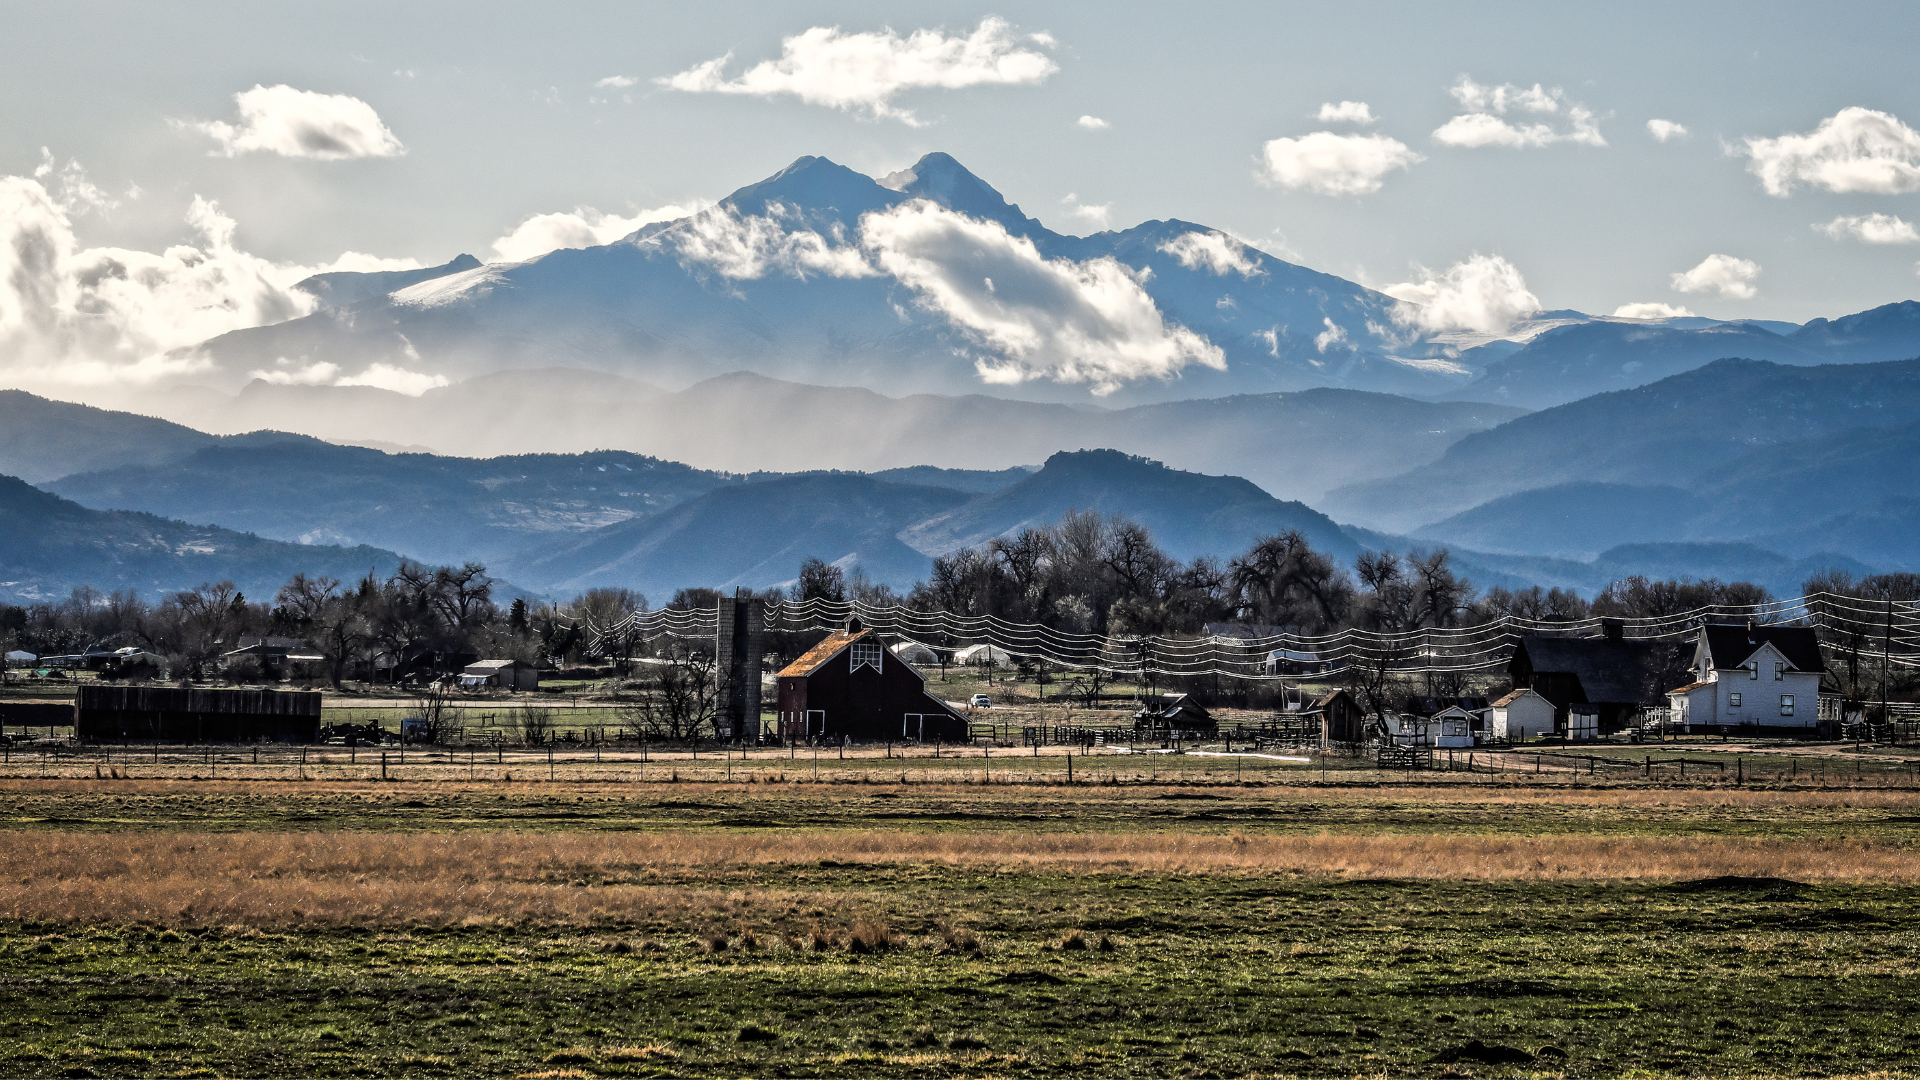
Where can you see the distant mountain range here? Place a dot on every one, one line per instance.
(52, 545)
(1296, 445)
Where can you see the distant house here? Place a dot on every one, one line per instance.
(1618, 675)
(1169, 715)
(849, 687)
(1751, 677)
(1521, 715)
(1293, 662)
(500, 674)
(1445, 722)
(278, 657)
(1342, 721)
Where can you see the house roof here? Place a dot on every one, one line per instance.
(1430, 706)
(1731, 645)
(1512, 697)
(811, 660)
(1688, 688)
(1609, 670)
(492, 665)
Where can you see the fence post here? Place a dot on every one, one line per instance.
(696, 753)
(383, 764)
(1648, 773)
(1069, 766)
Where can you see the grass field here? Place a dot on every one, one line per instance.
(161, 925)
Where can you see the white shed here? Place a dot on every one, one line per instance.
(20, 658)
(916, 654)
(504, 674)
(982, 655)
(1522, 715)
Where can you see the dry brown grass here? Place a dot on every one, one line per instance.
(267, 879)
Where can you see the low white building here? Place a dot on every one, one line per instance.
(1449, 729)
(982, 655)
(1522, 715)
(500, 674)
(916, 654)
(1751, 676)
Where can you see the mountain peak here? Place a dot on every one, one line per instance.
(813, 184)
(939, 178)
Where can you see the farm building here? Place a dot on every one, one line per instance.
(278, 657)
(172, 715)
(500, 674)
(1172, 715)
(915, 653)
(983, 655)
(850, 687)
(1448, 723)
(1615, 674)
(1752, 677)
(1522, 714)
(1293, 662)
(1342, 721)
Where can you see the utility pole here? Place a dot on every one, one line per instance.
(1886, 663)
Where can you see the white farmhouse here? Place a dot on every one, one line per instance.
(1522, 715)
(1751, 676)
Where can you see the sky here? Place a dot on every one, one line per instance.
(1732, 160)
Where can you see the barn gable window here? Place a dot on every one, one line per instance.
(866, 654)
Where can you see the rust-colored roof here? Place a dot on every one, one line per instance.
(1511, 698)
(821, 653)
(1689, 687)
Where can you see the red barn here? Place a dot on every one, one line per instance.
(851, 687)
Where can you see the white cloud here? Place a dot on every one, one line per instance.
(745, 246)
(1651, 309)
(302, 124)
(1662, 130)
(1854, 150)
(1484, 293)
(1485, 121)
(77, 194)
(1872, 229)
(1730, 277)
(1334, 334)
(1214, 250)
(1092, 123)
(1076, 322)
(584, 227)
(1097, 215)
(397, 379)
(1329, 164)
(71, 315)
(863, 72)
(1346, 112)
(616, 82)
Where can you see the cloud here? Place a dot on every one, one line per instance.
(1485, 124)
(743, 247)
(1096, 214)
(77, 194)
(616, 82)
(78, 316)
(1730, 277)
(1092, 123)
(1074, 322)
(1484, 293)
(1651, 309)
(1334, 334)
(397, 379)
(1329, 164)
(1662, 130)
(1346, 112)
(1853, 151)
(1214, 250)
(302, 124)
(862, 73)
(584, 227)
(1871, 229)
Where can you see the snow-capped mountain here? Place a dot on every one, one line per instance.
(925, 280)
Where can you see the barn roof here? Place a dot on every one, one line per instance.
(1689, 688)
(1512, 697)
(1609, 670)
(1730, 645)
(811, 660)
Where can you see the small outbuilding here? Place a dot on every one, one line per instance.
(500, 675)
(20, 658)
(849, 687)
(1167, 716)
(168, 714)
(1522, 715)
(915, 653)
(1342, 721)
(982, 656)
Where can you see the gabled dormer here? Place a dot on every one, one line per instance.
(1755, 653)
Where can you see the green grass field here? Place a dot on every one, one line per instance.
(714, 954)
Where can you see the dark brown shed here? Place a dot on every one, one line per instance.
(169, 714)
